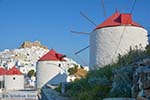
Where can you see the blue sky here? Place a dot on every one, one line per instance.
(50, 22)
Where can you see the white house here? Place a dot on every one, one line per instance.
(115, 36)
(14, 79)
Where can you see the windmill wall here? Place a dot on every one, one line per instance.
(104, 41)
(49, 72)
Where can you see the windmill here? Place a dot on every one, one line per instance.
(112, 37)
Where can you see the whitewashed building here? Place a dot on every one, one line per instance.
(14, 79)
(115, 36)
(50, 69)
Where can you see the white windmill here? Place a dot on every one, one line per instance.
(114, 36)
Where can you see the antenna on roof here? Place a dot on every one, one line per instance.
(87, 18)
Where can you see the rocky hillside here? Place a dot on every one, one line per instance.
(128, 79)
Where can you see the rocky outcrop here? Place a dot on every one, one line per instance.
(133, 79)
(28, 44)
(141, 80)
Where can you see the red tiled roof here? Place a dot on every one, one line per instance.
(13, 71)
(52, 55)
(118, 19)
(2, 71)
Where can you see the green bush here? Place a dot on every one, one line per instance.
(147, 49)
(133, 55)
(102, 72)
(82, 90)
(122, 82)
(95, 86)
(31, 73)
(58, 89)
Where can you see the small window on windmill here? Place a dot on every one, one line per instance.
(28, 54)
(14, 78)
(59, 65)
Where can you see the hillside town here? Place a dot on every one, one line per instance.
(31, 66)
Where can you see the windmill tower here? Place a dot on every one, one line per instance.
(49, 69)
(104, 39)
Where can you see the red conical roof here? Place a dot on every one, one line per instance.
(13, 71)
(118, 19)
(2, 71)
(52, 55)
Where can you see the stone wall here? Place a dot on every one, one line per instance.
(140, 76)
(141, 80)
